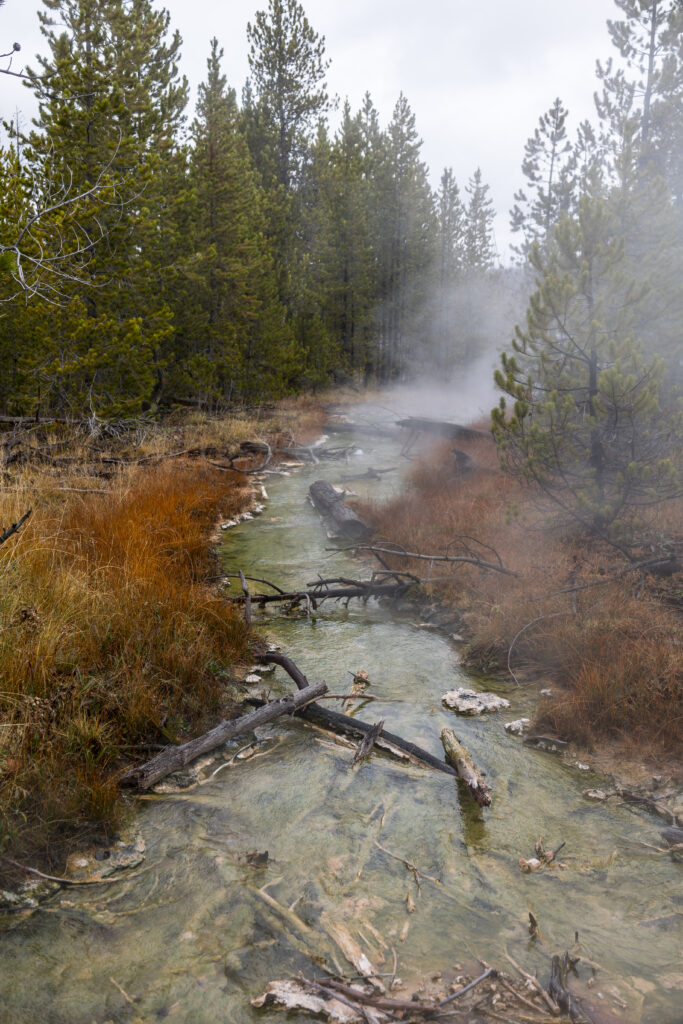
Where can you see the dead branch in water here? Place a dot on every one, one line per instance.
(334, 589)
(395, 745)
(459, 757)
(368, 742)
(170, 759)
(247, 599)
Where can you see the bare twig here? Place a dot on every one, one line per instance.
(15, 527)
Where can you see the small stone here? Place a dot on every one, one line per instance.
(253, 678)
(582, 767)
(546, 692)
(595, 794)
(518, 727)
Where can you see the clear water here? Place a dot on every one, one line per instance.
(188, 936)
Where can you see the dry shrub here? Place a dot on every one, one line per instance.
(610, 652)
(109, 639)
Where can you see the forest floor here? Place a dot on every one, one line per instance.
(575, 619)
(113, 638)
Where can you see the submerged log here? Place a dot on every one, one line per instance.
(330, 504)
(459, 757)
(443, 429)
(170, 759)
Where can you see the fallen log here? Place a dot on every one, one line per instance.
(330, 504)
(170, 759)
(325, 590)
(459, 757)
(443, 429)
(337, 722)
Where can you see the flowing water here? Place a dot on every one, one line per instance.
(191, 935)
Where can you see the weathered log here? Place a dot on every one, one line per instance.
(459, 757)
(443, 429)
(170, 759)
(331, 506)
(324, 590)
(337, 722)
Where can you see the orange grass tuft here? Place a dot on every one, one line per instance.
(109, 639)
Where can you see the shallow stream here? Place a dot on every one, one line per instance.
(190, 936)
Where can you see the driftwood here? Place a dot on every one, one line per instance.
(368, 742)
(560, 967)
(331, 506)
(388, 585)
(459, 757)
(170, 759)
(443, 429)
(337, 722)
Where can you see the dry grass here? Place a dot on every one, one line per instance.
(611, 651)
(112, 637)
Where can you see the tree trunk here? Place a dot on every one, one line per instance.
(459, 757)
(331, 506)
(170, 759)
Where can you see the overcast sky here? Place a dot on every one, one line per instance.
(477, 74)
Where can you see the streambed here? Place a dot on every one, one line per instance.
(188, 937)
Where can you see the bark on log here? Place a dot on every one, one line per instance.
(170, 759)
(459, 757)
(331, 506)
(337, 722)
(443, 429)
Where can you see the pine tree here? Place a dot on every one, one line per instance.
(230, 340)
(585, 424)
(479, 248)
(287, 65)
(404, 230)
(116, 101)
(535, 212)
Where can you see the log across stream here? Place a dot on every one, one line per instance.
(378, 857)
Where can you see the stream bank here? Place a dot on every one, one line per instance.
(197, 908)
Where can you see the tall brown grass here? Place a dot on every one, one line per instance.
(113, 639)
(610, 651)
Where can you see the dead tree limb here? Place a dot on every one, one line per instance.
(326, 590)
(460, 758)
(247, 599)
(337, 722)
(15, 527)
(170, 759)
(399, 553)
(368, 742)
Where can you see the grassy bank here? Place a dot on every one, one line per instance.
(112, 638)
(609, 649)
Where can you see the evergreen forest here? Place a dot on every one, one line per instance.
(279, 241)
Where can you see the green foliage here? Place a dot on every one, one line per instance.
(585, 423)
